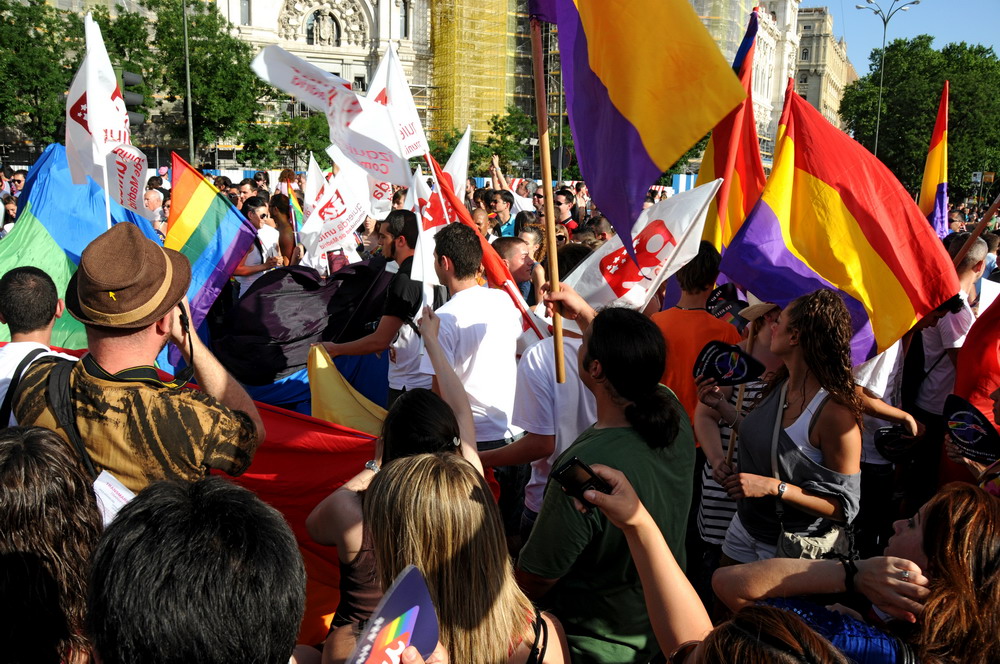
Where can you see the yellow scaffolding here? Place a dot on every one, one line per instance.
(469, 40)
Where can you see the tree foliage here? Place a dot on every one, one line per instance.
(41, 49)
(479, 153)
(914, 75)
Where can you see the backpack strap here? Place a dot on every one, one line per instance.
(62, 407)
(15, 380)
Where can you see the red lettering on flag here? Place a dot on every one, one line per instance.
(652, 247)
(78, 111)
(431, 212)
(382, 97)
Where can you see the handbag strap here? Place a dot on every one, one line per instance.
(62, 407)
(15, 380)
(774, 443)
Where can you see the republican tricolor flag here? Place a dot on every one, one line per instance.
(934, 189)
(833, 216)
(733, 154)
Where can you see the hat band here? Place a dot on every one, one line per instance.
(138, 313)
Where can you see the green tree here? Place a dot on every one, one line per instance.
(42, 48)
(914, 75)
(224, 90)
(127, 37)
(479, 154)
(506, 133)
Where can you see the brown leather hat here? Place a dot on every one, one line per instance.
(126, 280)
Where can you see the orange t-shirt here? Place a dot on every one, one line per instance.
(686, 332)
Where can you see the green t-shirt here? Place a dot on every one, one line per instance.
(599, 597)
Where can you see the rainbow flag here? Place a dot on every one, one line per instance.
(297, 216)
(56, 220)
(934, 189)
(733, 154)
(833, 216)
(644, 82)
(207, 228)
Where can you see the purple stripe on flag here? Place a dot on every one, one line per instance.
(618, 178)
(543, 10)
(758, 260)
(939, 215)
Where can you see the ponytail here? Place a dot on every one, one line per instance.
(654, 416)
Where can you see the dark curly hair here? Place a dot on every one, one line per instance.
(768, 635)
(51, 525)
(824, 326)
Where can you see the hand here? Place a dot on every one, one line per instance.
(914, 427)
(881, 581)
(955, 454)
(622, 506)
(747, 485)
(721, 471)
(273, 262)
(430, 325)
(709, 393)
(177, 334)
(568, 302)
(412, 656)
(495, 162)
(330, 348)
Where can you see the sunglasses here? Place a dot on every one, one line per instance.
(538, 195)
(18, 181)
(560, 239)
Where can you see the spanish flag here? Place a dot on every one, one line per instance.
(733, 154)
(934, 189)
(833, 216)
(644, 82)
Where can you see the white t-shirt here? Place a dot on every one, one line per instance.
(268, 238)
(881, 376)
(521, 204)
(479, 329)
(11, 356)
(544, 407)
(949, 333)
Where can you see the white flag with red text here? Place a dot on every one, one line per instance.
(98, 137)
(315, 181)
(430, 219)
(335, 217)
(665, 238)
(362, 129)
(389, 88)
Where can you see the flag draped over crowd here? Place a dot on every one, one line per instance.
(644, 82)
(56, 220)
(833, 216)
(733, 154)
(934, 188)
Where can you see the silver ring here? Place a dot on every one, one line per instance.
(905, 575)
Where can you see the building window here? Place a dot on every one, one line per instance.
(244, 12)
(359, 84)
(803, 79)
(404, 19)
(807, 27)
(805, 54)
(322, 29)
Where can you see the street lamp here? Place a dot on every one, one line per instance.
(885, 16)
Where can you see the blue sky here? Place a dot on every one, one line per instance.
(972, 21)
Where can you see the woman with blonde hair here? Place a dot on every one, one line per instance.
(435, 511)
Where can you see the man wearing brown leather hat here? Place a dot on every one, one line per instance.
(111, 406)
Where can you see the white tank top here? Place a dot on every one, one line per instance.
(798, 431)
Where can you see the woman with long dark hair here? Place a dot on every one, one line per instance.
(49, 524)
(800, 448)
(581, 563)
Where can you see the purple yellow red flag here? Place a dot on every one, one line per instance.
(733, 154)
(934, 189)
(833, 216)
(207, 228)
(644, 82)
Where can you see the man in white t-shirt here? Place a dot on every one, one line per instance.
(264, 254)
(941, 344)
(552, 415)
(29, 306)
(396, 329)
(479, 332)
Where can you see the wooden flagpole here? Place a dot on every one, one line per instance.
(739, 403)
(542, 119)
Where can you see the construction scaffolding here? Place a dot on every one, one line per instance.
(469, 42)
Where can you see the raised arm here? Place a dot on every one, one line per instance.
(675, 610)
(449, 386)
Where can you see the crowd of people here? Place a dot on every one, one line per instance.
(750, 523)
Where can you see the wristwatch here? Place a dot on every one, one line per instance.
(782, 487)
(372, 465)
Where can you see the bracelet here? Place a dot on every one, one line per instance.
(850, 570)
(732, 425)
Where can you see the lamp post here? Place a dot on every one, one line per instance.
(187, 83)
(886, 16)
